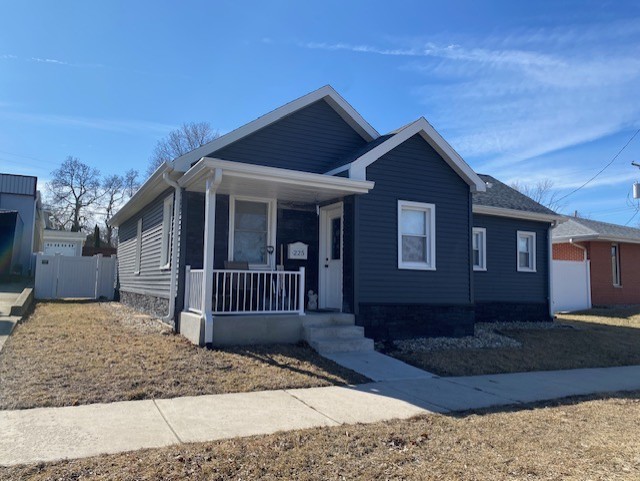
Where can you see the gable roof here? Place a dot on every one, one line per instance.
(580, 229)
(499, 194)
(326, 93)
(421, 127)
(500, 199)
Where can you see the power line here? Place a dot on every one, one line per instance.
(632, 217)
(603, 169)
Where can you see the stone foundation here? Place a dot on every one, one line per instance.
(154, 306)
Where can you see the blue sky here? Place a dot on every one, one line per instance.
(523, 90)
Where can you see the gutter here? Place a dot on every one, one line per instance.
(177, 204)
(550, 268)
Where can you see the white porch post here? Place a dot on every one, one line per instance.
(212, 184)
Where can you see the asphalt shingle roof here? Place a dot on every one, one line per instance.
(501, 195)
(576, 226)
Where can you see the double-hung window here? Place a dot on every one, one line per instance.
(615, 264)
(416, 235)
(167, 224)
(526, 251)
(479, 249)
(252, 231)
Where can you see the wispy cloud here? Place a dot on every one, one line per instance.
(48, 60)
(112, 125)
(503, 101)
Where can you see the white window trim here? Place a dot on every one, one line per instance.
(167, 224)
(522, 233)
(423, 266)
(619, 283)
(483, 249)
(272, 212)
(137, 261)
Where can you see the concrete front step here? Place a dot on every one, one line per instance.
(328, 319)
(313, 333)
(354, 344)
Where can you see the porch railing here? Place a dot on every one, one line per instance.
(193, 290)
(248, 292)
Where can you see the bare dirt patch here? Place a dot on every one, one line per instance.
(582, 439)
(80, 353)
(594, 338)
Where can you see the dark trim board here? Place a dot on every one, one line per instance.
(406, 321)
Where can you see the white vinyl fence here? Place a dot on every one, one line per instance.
(571, 286)
(59, 277)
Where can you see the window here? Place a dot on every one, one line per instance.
(136, 269)
(479, 249)
(167, 221)
(252, 231)
(615, 264)
(416, 235)
(526, 251)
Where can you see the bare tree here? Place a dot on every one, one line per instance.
(74, 188)
(542, 192)
(116, 190)
(188, 137)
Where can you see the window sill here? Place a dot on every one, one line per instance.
(527, 270)
(136, 273)
(166, 267)
(416, 268)
(480, 269)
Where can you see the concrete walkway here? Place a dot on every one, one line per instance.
(48, 434)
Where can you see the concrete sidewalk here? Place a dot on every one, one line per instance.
(48, 434)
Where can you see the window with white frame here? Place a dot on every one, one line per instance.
(416, 235)
(526, 251)
(167, 221)
(252, 227)
(136, 269)
(615, 264)
(479, 249)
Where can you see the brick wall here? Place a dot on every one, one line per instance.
(603, 292)
(567, 252)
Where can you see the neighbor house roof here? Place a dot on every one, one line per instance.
(500, 199)
(578, 229)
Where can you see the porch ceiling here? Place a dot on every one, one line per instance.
(259, 181)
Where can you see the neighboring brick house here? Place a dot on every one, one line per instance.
(613, 252)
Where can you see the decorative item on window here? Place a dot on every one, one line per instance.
(312, 304)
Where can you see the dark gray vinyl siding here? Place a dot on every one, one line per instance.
(311, 140)
(502, 281)
(152, 280)
(195, 230)
(413, 171)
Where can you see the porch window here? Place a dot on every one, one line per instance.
(416, 235)
(615, 264)
(479, 249)
(167, 222)
(252, 231)
(526, 251)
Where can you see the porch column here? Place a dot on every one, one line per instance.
(212, 183)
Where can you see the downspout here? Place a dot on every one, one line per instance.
(177, 203)
(550, 255)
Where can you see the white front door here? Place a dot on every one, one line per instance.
(330, 282)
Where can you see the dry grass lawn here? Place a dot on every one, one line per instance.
(593, 439)
(594, 338)
(79, 353)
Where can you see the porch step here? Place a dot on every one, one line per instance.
(353, 344)
(335, 332)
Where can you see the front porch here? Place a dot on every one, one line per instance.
(266, 237)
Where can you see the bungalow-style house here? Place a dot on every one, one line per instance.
(611, 254)
(309, 209)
